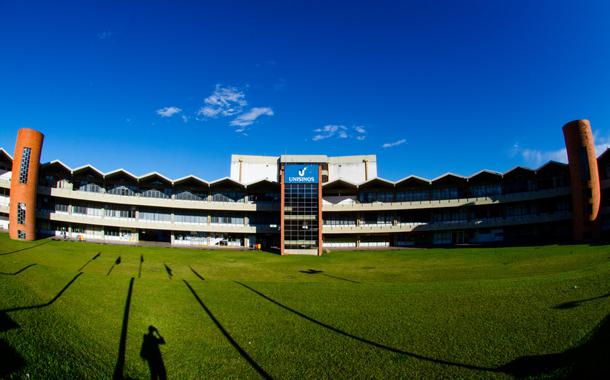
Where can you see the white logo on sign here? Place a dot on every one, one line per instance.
(302, 172)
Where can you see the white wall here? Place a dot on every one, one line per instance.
(254, 168)
(352, 168)
(348, 168)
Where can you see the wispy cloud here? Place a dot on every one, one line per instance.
(168, 111)
(104, 35)
(339, 131)
(224, 101)
(393, 144)
(360, 132)
(329, 131)
(538, 157)
(248, 118)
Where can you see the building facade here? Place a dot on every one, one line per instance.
(301, 204)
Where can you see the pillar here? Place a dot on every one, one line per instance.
(584, 178)
(24, 184)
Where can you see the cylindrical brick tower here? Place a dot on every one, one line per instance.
(584, 178)
(24, 184)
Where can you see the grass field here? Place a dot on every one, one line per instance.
(74, 310)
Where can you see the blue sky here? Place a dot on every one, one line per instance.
(428, 86)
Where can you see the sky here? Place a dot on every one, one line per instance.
(428, 86)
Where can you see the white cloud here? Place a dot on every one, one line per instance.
(224, 101)
(339, 131)
(248, 118)
(330, 130)
(395, 143)
(168, 111)
(538, 157)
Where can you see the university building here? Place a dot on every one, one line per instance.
(301, 204)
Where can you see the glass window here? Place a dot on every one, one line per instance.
(25, 165)
(20, 213)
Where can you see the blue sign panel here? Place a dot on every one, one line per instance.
(295, 173)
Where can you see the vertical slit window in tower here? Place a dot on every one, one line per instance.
(25, 165)
(20, 213)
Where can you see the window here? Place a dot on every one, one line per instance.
(111, 231)
(227, 219)
(485, 190)
(445, 193)
(119, 212)
(228, 196)
(154, 193)
(155, 216)
(376, 196)
(61, 207)
(20, 234)
(301, 216)
(79, 210)
(122, 190)
(20, 213)
(412, 195)
(25, 165)
(190, 196)
(191, 218)
(340, 220)
(91, 187)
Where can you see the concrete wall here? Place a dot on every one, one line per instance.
(354, 169)
(248, 169)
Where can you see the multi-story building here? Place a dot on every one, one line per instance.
(303, 203)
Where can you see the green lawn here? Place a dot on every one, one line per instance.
(420, 313)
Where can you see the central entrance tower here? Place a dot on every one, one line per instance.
(301, 204)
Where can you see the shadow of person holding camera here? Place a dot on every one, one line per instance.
(151, 353)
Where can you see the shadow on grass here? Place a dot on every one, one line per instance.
(7, 323)
(120, 363)
(11, 361)
(197, 274)
(588, 360)
(25, 249)
(140, 267)
(366, 341)
(116, 262)
(19, 271)
(90, 260)
(573, 304)
(224, 332)
(47, 303)
(314, 271)
(151, 353)
(169, 271)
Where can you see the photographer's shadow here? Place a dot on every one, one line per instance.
(151, 353)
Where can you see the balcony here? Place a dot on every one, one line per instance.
(150, 224)
(448, 225)
(157, 202)
(347, 205)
